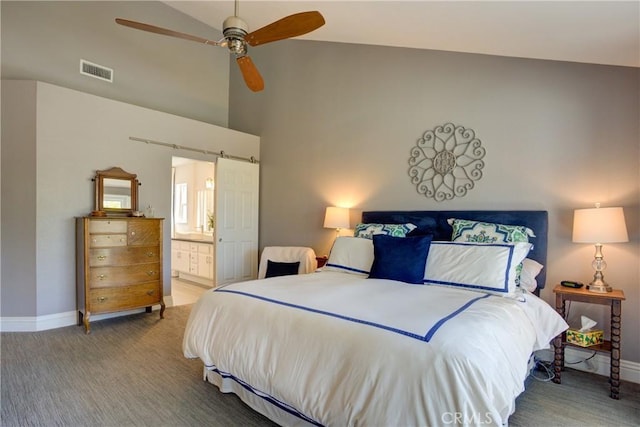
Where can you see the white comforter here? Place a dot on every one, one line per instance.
(337, 349)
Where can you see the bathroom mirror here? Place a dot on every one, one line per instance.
(116, 192)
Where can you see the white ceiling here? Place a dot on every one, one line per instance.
(599, 32)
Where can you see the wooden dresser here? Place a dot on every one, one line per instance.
(119, 265)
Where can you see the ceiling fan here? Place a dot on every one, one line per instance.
(236, 37)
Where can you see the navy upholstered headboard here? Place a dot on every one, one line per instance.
(435, 223)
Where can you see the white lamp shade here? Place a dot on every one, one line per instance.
(335, 217)
(599, 225)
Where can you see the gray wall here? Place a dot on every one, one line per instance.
(45, 41)
(77, 134)
(19, 241)
(337, 122)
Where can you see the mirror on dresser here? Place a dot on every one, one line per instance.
(116, 192)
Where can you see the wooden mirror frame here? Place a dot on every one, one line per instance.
(116, 173)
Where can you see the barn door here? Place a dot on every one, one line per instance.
(236, 228)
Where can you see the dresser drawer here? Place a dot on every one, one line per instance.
(110, 226)
(112, 299)
(107, 240)
(123, 256)
(100, 277)
(143, 232)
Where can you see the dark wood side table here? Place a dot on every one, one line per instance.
(321, 260)
(612, 299)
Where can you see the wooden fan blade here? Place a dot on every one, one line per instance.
(164, 31)
(287, 27)
(251, 75)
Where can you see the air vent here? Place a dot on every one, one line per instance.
(97, 71)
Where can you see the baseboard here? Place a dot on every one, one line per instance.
(60, 320)
(196, 279)
(38, 323)
(575, 358)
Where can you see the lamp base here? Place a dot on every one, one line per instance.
(599, 286)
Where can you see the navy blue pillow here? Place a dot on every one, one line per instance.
(400, 258)
(281, 268)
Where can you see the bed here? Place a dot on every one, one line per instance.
(442, 341)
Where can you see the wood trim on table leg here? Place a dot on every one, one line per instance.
(616, 314)
(558, 362)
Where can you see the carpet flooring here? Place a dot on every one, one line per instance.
(130, 371)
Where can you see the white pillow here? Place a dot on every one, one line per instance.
(489, 267)
(351, 255)
(530, 269)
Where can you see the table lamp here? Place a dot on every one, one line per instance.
(599, 225)
(337, 218)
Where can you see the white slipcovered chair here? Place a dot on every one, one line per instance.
(306, 257)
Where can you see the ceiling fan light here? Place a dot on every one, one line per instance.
(237, 46)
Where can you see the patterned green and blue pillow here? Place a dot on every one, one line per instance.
(465, 230)
(367, 231)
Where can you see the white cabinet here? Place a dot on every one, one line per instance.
(180, 256)
(205, 261)
(192, 259)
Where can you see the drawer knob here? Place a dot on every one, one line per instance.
(151, 273)
(151, 292)
(133, 233)
(102, 276)
(102, 299)
(149, 254)
(102, 257)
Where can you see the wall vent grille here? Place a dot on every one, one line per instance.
(97, 71)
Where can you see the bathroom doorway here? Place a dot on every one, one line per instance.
(192, 229)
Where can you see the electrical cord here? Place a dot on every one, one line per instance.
(545, 368)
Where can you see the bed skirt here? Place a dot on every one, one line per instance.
(255, 401)
(263, 406)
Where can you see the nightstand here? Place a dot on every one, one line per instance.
(321, 260)
(614, 301)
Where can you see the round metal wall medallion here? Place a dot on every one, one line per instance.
(446, 162)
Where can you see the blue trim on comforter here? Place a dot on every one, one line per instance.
(426, 338)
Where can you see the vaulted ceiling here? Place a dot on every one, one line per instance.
(598, 32)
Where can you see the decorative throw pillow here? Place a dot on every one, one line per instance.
(400, 258)
(530, 270)
(367, 231)
(465, 230)
(275, 268)
(487, 267)
(351, 255)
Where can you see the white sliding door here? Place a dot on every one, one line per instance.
(236, 229)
